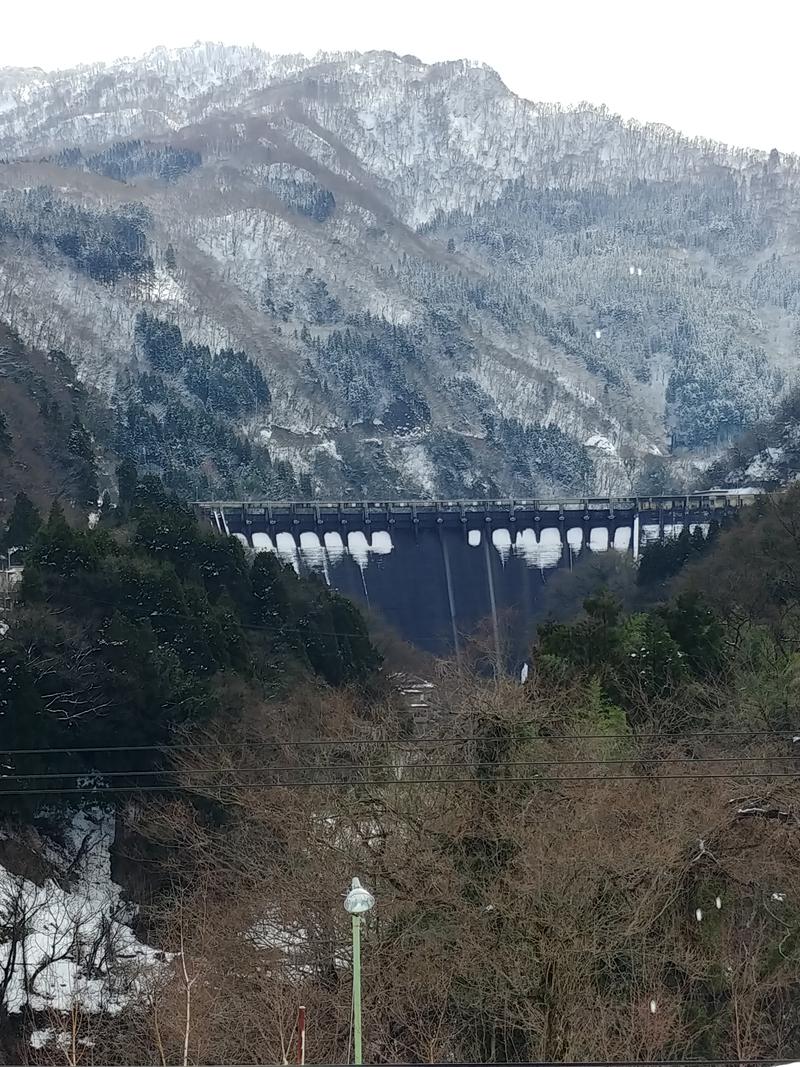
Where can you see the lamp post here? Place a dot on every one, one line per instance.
(357, 903)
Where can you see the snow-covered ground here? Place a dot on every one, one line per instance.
(68, 943)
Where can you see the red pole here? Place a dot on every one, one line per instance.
(301, 1034)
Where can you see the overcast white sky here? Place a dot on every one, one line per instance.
(727, 69)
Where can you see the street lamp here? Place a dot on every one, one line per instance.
(357, 902)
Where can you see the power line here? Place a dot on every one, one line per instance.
(150, 772)
(435, 782)
(457, 739)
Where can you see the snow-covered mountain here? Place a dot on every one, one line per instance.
(364, 274)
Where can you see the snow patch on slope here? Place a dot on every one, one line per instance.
(71, 935)
(416, 464)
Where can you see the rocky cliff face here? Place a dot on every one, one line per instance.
(362, 274)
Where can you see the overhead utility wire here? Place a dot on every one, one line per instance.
(319, 767)
(430, 783)
(457, 739)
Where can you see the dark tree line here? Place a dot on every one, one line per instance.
(225, 381)
(304, 197)
(106, 244)
(541, 454)
(133, 159)
(182, 418)
(369, 364)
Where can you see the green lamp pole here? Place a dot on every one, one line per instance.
(357, 902)
(358, 1056)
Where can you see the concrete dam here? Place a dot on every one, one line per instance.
(436, 570)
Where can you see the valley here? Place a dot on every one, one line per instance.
(397, 481)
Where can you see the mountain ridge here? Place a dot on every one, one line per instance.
(161, 57)
(379, 234)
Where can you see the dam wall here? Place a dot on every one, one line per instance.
(437, 570)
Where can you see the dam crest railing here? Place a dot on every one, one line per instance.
(695, 503)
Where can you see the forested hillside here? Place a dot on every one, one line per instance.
(147, 623)
(421, 283)
(597, 862)
(46, 421)
(767, 455)
(61, 438)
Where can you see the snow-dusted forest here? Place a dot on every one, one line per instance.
(362, 274)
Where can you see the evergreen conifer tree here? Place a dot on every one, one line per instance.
(23, 523)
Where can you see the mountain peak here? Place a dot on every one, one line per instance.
(397, 276)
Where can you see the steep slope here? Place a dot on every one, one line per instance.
(767, 456)
(46, 417)
(445, 288)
